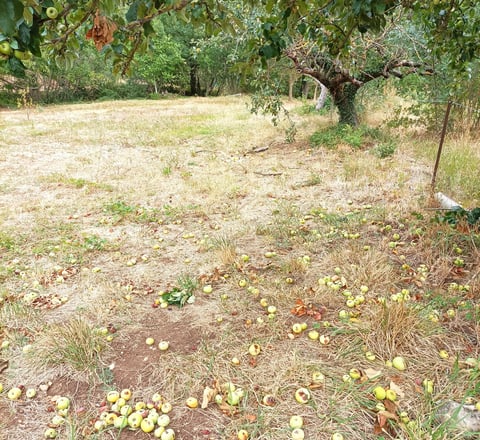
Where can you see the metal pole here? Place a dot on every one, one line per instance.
(440, 146)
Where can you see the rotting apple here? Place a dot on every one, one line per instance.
(242, 434)
(398, 362)
(302, 395)
(254, 349)
(113, 396)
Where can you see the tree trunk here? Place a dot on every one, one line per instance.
(343, 97)
(322, 98)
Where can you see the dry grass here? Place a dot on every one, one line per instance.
(105, 207)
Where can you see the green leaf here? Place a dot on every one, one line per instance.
(132, 13)
(148, 29)
(10, 12)
(24, 34)
(16, 67)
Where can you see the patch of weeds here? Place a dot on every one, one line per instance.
(94, 243)
(167, 170)
(182, 293)
(7, 242)
(458, 216)
(384, 149)
(74, 343)
(73, 182)
(225, 248)
(121, 211)
(355, 137)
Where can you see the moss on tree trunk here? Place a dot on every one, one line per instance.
(344, 99)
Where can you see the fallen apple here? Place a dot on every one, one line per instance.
(298, 434)
(50, 433)
(391, 395)
(14, 393)
(297, 328)
(207, 289)
(254, 349)
(168, 434)
(296, 422)
(443, 354)
(313, 335)
(120, 422)
(163, 420)
(30, 393)
(398, 362)
(149, 341)
(269, 400)
(166, 407)
(126, 394)
(147, 425)
(158, 432)
(126, 410)
(192, 402)
(140, 405)
(302, 395)
(355, 373)
(62, 403)
(242, 434)
(318, 377)
(370, 356)
(110, 418)
(380, 393)
(324, 339)
(163, 345)
(134, 420)
(113, 396)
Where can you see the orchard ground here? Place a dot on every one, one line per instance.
(107, 206)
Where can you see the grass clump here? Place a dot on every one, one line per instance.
(355, 137)
(75, 344)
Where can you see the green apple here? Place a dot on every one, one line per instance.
(337, 436)
(391, 395)
(443, 354)
(158, 432)
(379, 393)
(140, 405)
(57, 420)
(31, 393)
(168, 434)
(135, 420)
(113, 396)
(207, 289)
(149, 341)
(5, 48)
(147, 425)
(398, 362)
(313, 335)
(163, 345)
(14, 393)
(318, 377)
(298, 434)
(296, 422)
(52, 13)
(355, 373)
(166, 407)
(50, 433)
(302, 395)
(21, 55)
(370, 356)
(110, 418)
(297, 328)
(120, 422)
(163, 420)
(63, 403)
(157, 397)
(126, 410)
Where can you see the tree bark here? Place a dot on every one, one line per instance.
(343, 96)
(322, 98)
